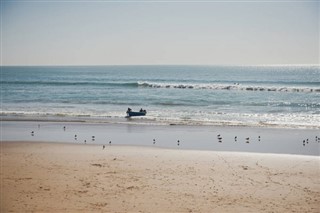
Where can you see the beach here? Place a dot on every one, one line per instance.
(214, 138)
(159, 106)
(64, 177)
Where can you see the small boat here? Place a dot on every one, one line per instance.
(140, 113)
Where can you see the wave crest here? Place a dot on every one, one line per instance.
(226, 87)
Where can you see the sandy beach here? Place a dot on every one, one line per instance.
(59, 177)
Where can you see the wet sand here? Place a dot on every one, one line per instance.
(260, 140)
(59, 177)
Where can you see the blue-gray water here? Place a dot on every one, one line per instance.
(281, 96)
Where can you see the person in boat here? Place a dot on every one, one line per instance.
(129, 110)
(143, 110)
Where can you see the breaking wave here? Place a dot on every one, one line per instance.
(227, 87)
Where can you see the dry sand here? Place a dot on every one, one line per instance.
(55, 177)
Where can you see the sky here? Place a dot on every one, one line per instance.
(159, 32)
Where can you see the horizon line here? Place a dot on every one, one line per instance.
(93, 65)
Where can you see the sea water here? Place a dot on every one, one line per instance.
(276, 96)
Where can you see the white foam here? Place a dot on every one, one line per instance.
(234, 86)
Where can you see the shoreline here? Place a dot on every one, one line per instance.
(86, 178)
(148, 121)
(234, 139)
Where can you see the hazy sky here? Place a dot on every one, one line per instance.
(142, 32)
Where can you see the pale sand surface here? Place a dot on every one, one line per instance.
(56, 177)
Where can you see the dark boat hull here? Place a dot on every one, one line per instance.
(130, 114)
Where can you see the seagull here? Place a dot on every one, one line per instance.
(247, 140)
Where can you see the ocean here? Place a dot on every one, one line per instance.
(268, 96)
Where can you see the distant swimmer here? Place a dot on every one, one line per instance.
(103, 146)
(235, 138)
(109, 142)
(154, 141)
(178, 142)
(64, 128)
